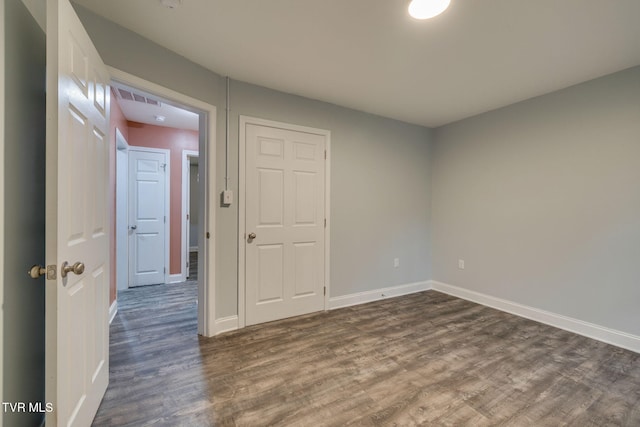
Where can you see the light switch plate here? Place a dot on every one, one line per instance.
(227, 197)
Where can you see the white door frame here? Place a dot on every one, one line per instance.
(186, 176)
(207, 191)
(167, 209)
(242, 142)
(122, 201)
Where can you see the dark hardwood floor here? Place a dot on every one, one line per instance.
(421, 359)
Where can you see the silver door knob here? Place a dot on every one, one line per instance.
(251, 236)
(77, 268)
(37, 271)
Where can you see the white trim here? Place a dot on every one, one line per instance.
(242, 158)
(113, 310)
(207, 112)
(167, 206)
(176, 278)
(121, 141)
(185, 247)
(226, 324)
(327, 216)
(589, 330)
(243, 122)
(122, 227)
(378, 294)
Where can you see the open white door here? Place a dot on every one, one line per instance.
(77, 231)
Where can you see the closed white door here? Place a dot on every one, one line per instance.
(284, 245)
(147, 217)
(77, 225)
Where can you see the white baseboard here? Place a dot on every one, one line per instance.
(378, 294)
(225, 324)
(589, 330)
(113, 310)
(176, 278)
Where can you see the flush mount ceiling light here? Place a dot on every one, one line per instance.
(425, 9)
(159, 118)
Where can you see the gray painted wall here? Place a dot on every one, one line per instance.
(542, 201)
(380, 169)
(24, 167)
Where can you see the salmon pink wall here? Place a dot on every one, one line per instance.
(117, 121)
(175, 140)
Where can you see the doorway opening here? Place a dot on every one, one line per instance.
(155, 136)
(150, 119)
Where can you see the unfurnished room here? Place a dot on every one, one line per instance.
(320, 213)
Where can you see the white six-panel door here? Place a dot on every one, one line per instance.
(77, 226)
(147, 216)
(284, 262)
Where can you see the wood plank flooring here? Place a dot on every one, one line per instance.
(422, 359)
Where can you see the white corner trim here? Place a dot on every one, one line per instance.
(186, 197)
(377, 294)
(176, 278)
(226, 324)
(589, 330)
(113, 310)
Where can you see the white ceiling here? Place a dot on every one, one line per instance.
(143, 112)
(370, 55)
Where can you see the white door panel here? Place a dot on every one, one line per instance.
(284, 264)
(77, 230)
(147, 216)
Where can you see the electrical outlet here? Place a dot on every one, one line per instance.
(461, 264)
(396, 262)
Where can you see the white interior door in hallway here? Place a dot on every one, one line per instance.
(284, 223)
(148, 216)
(77, 226)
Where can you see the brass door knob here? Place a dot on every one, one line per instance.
(37, 271)
(251, 236)
(77, 268)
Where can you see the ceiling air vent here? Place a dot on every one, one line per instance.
(127, 95)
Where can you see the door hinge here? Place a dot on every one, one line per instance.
(325, 154)
(164, 270)
(165, 219)
(325, 223)
(187, 264)
(325, 290)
